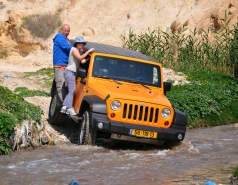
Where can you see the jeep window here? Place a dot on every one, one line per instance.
(126, 70)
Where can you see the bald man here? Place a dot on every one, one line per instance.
(61, 49)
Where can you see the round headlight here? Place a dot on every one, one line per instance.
(165, 113)
(115, 105)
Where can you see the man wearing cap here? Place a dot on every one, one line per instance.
(61, 49)
(75, 58)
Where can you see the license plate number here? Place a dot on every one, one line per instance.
(143, 133)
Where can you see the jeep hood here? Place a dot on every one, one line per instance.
(131, 91)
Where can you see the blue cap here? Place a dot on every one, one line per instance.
(209, 183)
(80, 39)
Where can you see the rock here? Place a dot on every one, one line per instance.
(177, 78)
(88, 32)
(44, 140)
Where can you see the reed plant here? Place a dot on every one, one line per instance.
(198, 50)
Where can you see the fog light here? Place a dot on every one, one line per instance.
(100, 125)
(180, 136)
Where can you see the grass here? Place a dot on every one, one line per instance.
(43, 76)
(24, 92)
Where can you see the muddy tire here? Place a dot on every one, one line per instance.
(87, 135)
(55, 116)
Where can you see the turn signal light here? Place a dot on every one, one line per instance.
(166, 123)
(112, 115)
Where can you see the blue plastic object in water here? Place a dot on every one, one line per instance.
(73, 183)
(209, 183)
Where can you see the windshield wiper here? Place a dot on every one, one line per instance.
(106, 77)
(132, 81)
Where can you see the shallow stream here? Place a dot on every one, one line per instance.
(205, 154)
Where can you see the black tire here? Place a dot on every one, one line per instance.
(55, 116)
(87, 135)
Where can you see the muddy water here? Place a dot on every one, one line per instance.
(205, 154)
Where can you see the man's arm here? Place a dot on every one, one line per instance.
(63, 43)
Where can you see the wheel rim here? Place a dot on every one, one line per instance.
(82, 130)
(53, 105)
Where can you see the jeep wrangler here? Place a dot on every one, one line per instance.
(120, 95)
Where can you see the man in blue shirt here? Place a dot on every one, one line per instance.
(61, 49)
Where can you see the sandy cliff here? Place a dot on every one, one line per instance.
(103, 21)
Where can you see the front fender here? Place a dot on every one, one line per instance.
(180, 120)
(97, 104)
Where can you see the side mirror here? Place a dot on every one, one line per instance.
(167, 87)
(81, 73)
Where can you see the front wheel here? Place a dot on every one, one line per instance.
(55, 116)
(87, 135)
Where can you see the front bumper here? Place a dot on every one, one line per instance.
(119, 129)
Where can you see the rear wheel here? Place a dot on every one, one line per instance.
(87, 135)
(55, 116)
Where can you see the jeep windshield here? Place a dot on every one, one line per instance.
(126, 70)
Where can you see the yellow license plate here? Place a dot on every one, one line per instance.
(143, 133)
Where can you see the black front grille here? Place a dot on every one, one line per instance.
(140, 113)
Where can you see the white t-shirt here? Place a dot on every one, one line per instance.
(73, 62)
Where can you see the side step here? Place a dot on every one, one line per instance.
(75, 118)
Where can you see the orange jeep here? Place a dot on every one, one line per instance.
(120, 94)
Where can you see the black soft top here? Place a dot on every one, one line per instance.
(108, 49)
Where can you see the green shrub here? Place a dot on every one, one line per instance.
(235, 174)
(3, 54)
(5, 147)
(24, 92)
(13, 110)
(7, 124)
(18, 107)
(42, 26)
(211, 98)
